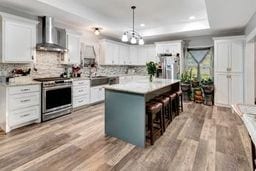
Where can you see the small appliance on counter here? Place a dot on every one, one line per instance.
(56, 97)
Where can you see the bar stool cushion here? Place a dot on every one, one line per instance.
(154, 107)
(163, 99)
(179, 93)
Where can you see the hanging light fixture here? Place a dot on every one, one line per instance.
(135, 37)
(97, 31)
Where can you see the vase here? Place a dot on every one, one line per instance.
(150, 78)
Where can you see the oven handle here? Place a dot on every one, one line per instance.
(56, 87)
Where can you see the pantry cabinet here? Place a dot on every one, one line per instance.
(18, 39)
(228, 70)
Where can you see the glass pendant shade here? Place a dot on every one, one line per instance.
(125, 37)
(133, 40)
(141, 41)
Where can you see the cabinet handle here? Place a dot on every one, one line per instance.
(80, 101)
(80, 91)
(32, 57)
(24, 115)
(26, 100)
(25, 89)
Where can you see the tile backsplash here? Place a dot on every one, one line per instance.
(48, 64)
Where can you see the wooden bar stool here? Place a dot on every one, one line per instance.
(180, 100)
(165, 101)
(173, 103)
(154, 120)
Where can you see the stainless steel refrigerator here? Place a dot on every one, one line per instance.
(170, 67)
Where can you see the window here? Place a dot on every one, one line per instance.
(200, 60)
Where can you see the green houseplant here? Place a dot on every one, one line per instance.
(151, 69)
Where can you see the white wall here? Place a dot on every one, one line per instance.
(249, 73)
(201, 41)
(251, 25)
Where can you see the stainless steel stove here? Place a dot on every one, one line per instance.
(56, 97)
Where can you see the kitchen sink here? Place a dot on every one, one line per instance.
(99, 80)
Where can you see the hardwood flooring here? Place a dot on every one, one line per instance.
(201, 138)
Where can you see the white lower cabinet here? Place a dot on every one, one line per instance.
(81, 93)
(19, 106)
(228, 89)
(97, 94)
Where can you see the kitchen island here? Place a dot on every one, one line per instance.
(125, 111)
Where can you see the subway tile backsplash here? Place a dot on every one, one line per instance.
(48, 64)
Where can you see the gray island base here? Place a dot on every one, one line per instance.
(125, 108)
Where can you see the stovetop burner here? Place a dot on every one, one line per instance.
(51, 79)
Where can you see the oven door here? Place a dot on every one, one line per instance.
(57, 97)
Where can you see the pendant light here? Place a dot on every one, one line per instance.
(135, 37)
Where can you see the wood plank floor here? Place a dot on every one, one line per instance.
(201, 138)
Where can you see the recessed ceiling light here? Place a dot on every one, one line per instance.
(192, 17)
(142, 25)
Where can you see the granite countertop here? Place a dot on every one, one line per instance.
(142, 86)
(248, 115)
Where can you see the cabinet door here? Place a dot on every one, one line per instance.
(237, 55)
(133, 55)
(142, 53)
(151, 54)
(108, 53)
(221, 89)
(123, 57)
(236, 89)
(115, 54)
(19, 42)
(73, 49)
(94, 95)
(222, 56)
(101, 94)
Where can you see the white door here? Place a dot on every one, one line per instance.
(73, 49)
(19, 42)
(221, 81)
(236, 89)
(237, 55)
(222, 55)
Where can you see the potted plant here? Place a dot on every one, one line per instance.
(186, 81)
(207, 85)
(151, 68)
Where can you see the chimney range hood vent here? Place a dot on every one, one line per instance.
(50, 38)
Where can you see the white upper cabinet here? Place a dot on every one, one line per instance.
(170, 47)
(229, 55)
(124, 55)
(18, 39)
(115, 53)
(73, 46)
(237, 56)
(222, 50)
(134, 53)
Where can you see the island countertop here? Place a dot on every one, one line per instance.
(142, 86)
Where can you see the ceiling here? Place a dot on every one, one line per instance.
(163, 18)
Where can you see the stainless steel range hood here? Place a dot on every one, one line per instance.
(50, 38)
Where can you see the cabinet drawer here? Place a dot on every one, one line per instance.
(80, 101)
(82, 83)
(22, 116)
(78, 91)
(24, 89)
(18, 101)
